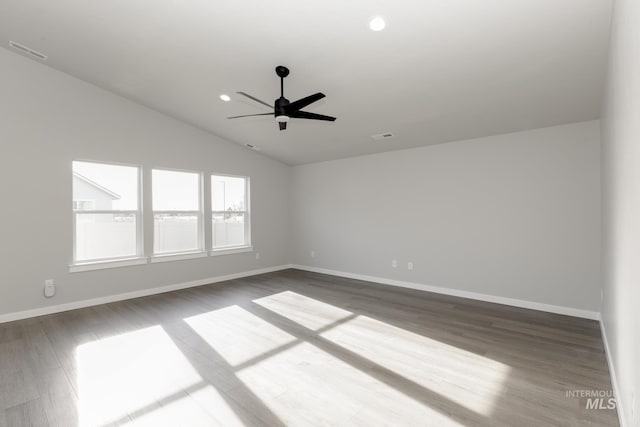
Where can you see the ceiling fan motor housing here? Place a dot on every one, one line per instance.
(280, 109)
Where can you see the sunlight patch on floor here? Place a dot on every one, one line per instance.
(216, 406)
(238, 335)
(204, 407)
(466, 378)
(128, 373)
(305, 385)
(306, 311)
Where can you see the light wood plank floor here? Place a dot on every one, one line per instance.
(301, 349)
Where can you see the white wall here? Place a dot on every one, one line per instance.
(47, 119)
(515, 216)
(621, 202)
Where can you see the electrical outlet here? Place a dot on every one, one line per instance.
(257, 255)
(313, 254)
(409, 265)
(394, 263)
(49, 288)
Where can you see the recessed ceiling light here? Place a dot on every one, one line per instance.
(225, 98)
(377, 23)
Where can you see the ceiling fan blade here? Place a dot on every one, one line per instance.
(312, 116)
(283, 125)
(255, 99)
(301, 103)
(251, 115)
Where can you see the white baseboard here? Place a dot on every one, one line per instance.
(614, 377)
(568, 311)
(10, 317)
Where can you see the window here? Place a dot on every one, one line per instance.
(177, 212)
(230, 211)
(108, 224)
(106, 212)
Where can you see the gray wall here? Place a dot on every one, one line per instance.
(47, 119)
(621, 202)
(515, 216)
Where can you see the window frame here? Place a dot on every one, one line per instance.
(246, 246)
(199, 215)
(138, 216)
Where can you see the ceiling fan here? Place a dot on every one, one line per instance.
(283, 110)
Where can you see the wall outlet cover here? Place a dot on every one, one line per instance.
(49, 288)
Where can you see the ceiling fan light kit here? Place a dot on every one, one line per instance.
(283, 110)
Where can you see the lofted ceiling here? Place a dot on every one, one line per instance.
(442, 70)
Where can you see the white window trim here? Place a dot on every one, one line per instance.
(177, 256)
(230, 250)
(247, 218)
(101, 265)
(124, 261)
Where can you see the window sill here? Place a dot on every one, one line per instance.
(230, 251)
(177, 257)
(127, 262)
(101, 265)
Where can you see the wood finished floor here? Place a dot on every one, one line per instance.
(298, 348)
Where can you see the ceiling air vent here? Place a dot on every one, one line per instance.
(28, 51)
(386, 135)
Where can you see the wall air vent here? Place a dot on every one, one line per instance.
(22, 48)
(386, 135)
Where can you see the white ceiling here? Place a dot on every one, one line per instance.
(442, 70)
